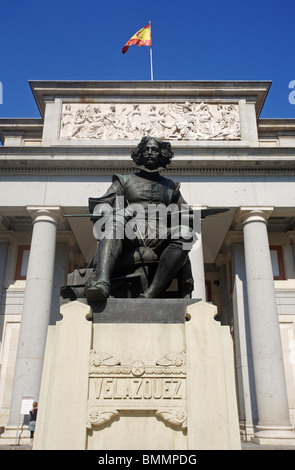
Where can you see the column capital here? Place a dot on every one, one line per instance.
(254, 213)
(233, 237)
(52, 214)
(6, 236)
(291, 236)
(67, 237)
(222, 258)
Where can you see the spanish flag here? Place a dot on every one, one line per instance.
(141, 38)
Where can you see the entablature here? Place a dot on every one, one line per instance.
(106, 159)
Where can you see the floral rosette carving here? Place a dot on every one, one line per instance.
(98, 416)
(177, 416)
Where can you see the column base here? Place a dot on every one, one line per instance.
(274, 435)
(246, 432)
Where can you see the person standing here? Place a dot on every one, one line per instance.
(32, 423)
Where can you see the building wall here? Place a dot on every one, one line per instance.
(40, 168)
(208, 189)
(220, 190)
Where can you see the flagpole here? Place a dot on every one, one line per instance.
(151, 54)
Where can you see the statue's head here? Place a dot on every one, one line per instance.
(152, 153)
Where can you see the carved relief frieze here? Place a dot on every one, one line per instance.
(159, 387)
(176, 121)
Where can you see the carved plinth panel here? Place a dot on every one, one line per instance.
(176, 121)
(159, 387)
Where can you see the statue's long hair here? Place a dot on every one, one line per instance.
(166, 154)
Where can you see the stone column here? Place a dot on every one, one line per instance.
(5, 238)
(242, 339)
(36, 309)
(4, 241)
(198, 272)
(274, 425)
(291, 237)
(197, 259)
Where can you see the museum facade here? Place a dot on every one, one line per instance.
(225, 156)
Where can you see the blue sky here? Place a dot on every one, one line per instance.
(192, 40)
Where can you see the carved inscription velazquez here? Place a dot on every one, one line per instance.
(126, 388)
(160, 387)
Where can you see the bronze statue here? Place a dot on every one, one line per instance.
(144, 189)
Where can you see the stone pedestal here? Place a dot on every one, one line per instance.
(64, 388)
(211, 393)
(147, 384)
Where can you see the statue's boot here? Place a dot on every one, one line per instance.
(171, 261)
(108, 253)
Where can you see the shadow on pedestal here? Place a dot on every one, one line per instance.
(140, 310)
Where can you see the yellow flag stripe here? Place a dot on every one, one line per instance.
(143, 34)
(140, 38)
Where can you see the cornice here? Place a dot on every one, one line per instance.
(20, 126)
(49, 90)
(188, 160)
(125, 170)
(277, 125)
(180, 150)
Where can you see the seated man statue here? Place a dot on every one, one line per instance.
(146, 190)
